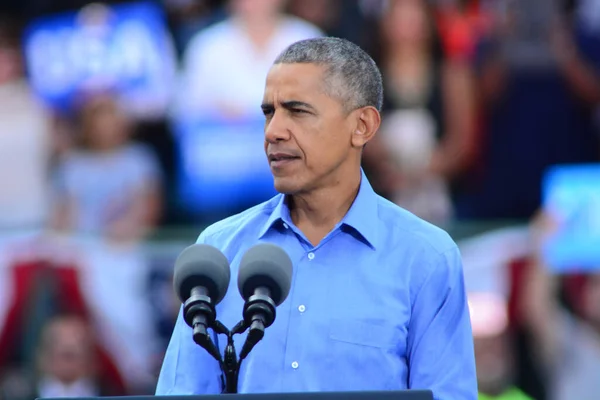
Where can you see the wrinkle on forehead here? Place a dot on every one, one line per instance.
(307, 79)
(294, 81)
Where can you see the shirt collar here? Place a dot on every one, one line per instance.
(362, 217)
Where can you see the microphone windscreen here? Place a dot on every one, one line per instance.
(265, 265)
(201, 265)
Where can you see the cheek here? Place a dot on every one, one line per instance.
(323, 142)
(322, 151)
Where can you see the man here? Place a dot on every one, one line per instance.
(493, 348)
(377, 300)
(66, 365)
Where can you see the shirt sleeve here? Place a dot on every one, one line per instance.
(187, 368)
(440, 341)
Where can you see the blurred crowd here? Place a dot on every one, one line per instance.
(482, 97)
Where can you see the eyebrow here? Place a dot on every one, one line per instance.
(288, 105)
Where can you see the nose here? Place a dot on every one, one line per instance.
(277, 128)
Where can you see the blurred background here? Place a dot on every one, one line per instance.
(128, 127)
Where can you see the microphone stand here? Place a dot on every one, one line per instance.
(230, 364)
(259, 313)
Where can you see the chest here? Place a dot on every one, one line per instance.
(91, 180)
(346, 301)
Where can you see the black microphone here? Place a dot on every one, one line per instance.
(201, 280)
(264, 280)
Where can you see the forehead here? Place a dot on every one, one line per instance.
(294, 80)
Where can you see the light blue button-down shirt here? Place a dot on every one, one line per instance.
(379, 304)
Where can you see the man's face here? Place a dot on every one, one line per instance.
(67, 356)
(257, 8)
(308, 134)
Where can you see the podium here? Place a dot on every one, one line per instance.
(371, 395)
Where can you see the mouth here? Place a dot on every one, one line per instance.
(281, 159)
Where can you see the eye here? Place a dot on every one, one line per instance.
(268, 112)
(298, 111)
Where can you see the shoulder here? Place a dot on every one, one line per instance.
(72, 162)
(210, 39)
(139, 160)
(140, 152)
(426, 253)
(407, 227)
(244, 224)
(300, 28)
(427, 249)
(216, 31)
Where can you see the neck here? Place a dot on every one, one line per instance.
(316, 213)
(408, 53)
(260, 29)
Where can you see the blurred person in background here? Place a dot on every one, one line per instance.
(566, 340)
(347, 19)
(225, 65)
(26, 141)
(493, 348)
(539, 82)
(108, 186)
(189, 16)
(462, 24)
(429, 112)
(66, 364)
(66, 359)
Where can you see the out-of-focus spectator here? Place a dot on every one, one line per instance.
(462, 23)
(108, 186)
(539, 82)
(429, 115)
(25, 141)
(493, 348)
(567, 344)
(190, 16)
(66, 364)
(339, 18)
(225, 65)
(66, 360)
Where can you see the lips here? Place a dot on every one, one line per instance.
(281, 159)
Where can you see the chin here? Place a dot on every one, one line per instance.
(286, 186)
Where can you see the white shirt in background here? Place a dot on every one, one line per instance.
(222, 68)
(50, 387)
(103, 186)
(25, 150)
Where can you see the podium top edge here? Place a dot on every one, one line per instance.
(354, 395)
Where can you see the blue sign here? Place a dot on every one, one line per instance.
(572, 197)
(123, 48)
(223, 165)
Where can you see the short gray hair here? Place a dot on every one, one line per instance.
(351, 74)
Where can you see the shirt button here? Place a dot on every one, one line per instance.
(285, 226)
(295, 365)
(302, 308)
(311, 256)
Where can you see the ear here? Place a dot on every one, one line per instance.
(367, 123)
